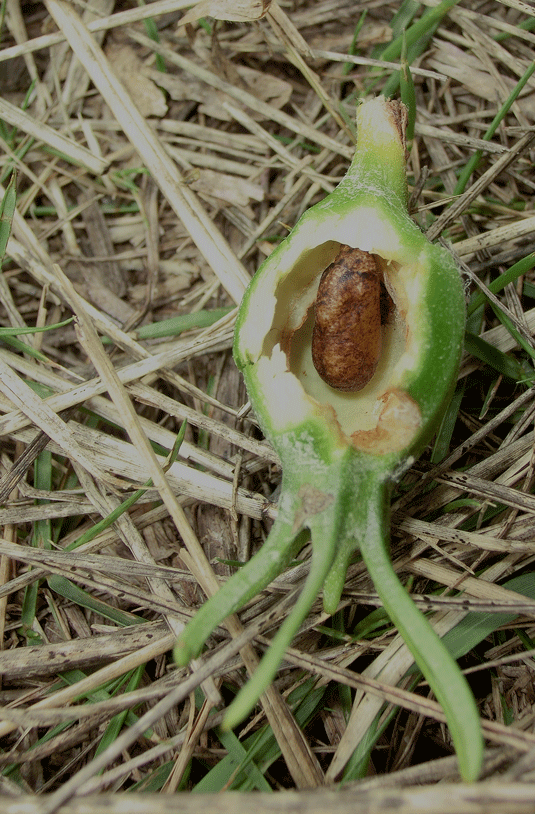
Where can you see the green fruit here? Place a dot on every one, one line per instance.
(340, 451)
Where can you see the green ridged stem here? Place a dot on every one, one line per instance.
(430, 654)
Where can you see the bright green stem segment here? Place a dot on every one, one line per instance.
(350, 512)
(379, 160)
(267, 669)
(430, 654)
(268, 563)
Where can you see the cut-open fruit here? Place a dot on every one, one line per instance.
(341, 450)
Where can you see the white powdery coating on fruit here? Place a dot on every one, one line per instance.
(303, 450)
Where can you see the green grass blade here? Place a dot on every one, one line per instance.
(152, 31)
(407, 92)
(513, 273)
(417, 37)
(41, 537)
(475, 627)
(20, 331)
(255, 780)
(7, 210)
(444, 434)
(64, 587)
(118, 721)
(502, 112)
(262, 747)
(493, 357)
(174, 326)
(347, 67)
(127, 504)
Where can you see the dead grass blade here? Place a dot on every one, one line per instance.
(139, 213)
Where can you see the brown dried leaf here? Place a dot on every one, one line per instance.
(266, 87)
(236, 11)
(129, 69)
(469, 71)
(237, 191)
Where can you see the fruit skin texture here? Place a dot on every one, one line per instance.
(341, 451)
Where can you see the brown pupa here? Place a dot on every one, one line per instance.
(346, 340)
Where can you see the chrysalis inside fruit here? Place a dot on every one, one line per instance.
(356, 413)
(346, 339)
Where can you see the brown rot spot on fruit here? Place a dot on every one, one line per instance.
(350, 306)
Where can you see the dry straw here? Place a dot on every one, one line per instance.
(89, 412)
